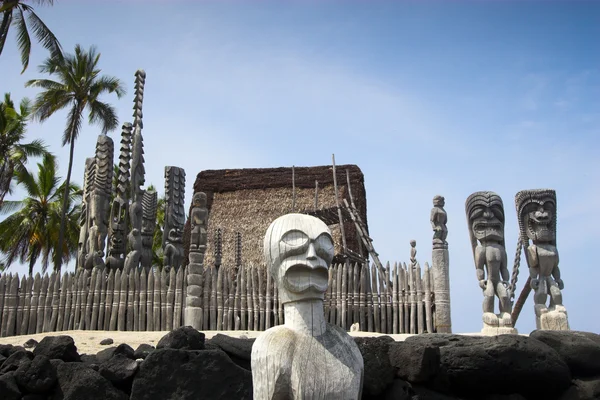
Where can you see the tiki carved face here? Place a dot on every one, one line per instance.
(539, 220)
(485, 213)
(199, 199)
(298, 250)
(439, 201)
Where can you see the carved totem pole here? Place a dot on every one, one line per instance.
(119, 215)
(137, 174)
(198, 238)
(174, 217)
(306, 358)
(485, 218)
(88, 180)
(99, 206)
(536, 211)
(440, 266)
(149, 210)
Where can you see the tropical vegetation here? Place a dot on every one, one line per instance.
(18, 13)
(13, 152)
(78, 87)
(32, 230)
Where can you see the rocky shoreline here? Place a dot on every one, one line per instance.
(185, 364)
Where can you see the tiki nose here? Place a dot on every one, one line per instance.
(312, 254)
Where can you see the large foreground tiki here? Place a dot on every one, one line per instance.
(536, 211)
(306, 358)
(485, 217)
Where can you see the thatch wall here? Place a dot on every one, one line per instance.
(248, 200)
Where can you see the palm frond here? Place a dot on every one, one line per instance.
(73, 124)
(103, 114)
(6, 20)
(44, 35)
(8, 206)
(23, 39)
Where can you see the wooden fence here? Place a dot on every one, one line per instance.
(233, 299)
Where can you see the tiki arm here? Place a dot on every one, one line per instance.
(504, 267)
(480, 263)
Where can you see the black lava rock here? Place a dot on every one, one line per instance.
(76, 381)
(378, 372)
(36, 376)
(578, 349)
(415, 362)
(57, 347)
(9, 388)
(14, 361)
(184, 338)
(31, 343)
(208, 374)
(239, 350)
(119, 370)
(123, 349)
(106, 342)
(142, 351)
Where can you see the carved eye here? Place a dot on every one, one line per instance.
(325, 243)
(476, 213)
(294, 238)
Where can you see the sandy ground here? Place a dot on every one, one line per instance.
(88, 342)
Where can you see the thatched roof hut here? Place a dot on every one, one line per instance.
(248, 200)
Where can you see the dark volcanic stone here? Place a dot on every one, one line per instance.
(142, 351)
(36, 376)
(239, 350)
(184, 338)
(378, 372)
(57, 347)
(14, 361)
(34, 397)
(123, 349)
(424, 393)
(76, 381)
(119, 370)
(2, 359)
(578, 349)
(8, 387)
(399, 390)
(514, 396)
(5, 348)
(208, 374)
(106, 342)
(415, 362)
(503, 364)
(588, 388)
(30, 343)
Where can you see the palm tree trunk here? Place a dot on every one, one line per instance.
(63, 216)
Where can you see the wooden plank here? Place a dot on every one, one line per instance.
(156, 303)
(114, 312)
(178, 298)
(419, 285)
(213, 297)
(62, 301)
(136, 300)
(406, 297)
(12, 302)
(255, 304)
(41, 310)
(280, 312)
(67, 322)
(164, 278)
(339, 299)
(130, 315)
(102, 304)
(219, 320)
(369, 298)
(236, 303)
(345, 296)
(143, 300)
(413, 300)
(355, 301)
(261, 300)
(362, 320)
(123, 301)
(90, 299)
(206, 298)
(3, 285)
(375, 297)
(171, 299)
(35, 298)
(293, 190)
(400, 299)
(337, 204)
(230, 314)
(381, 298)
(316, 195)
(269, 298)
(184, 286)
(21, 305)
(82, 299)
(395, 299)
(244, 298)
(333, 298)
(54, 304)
(97, 282)
(275, 305)
(388, 296)
(327, 299)
(150, 302)
(427, 300)
(249, 291)
(26, 305)
(110, 294)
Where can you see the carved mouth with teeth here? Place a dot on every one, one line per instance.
(301, 278)
(488, 230)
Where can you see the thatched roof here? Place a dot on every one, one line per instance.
(248, 200)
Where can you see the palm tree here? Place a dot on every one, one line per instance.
(79, 87)
(13, 153)
(32, 230)
(157, 250)
(13, 11)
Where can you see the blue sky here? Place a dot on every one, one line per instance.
(425, 97)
